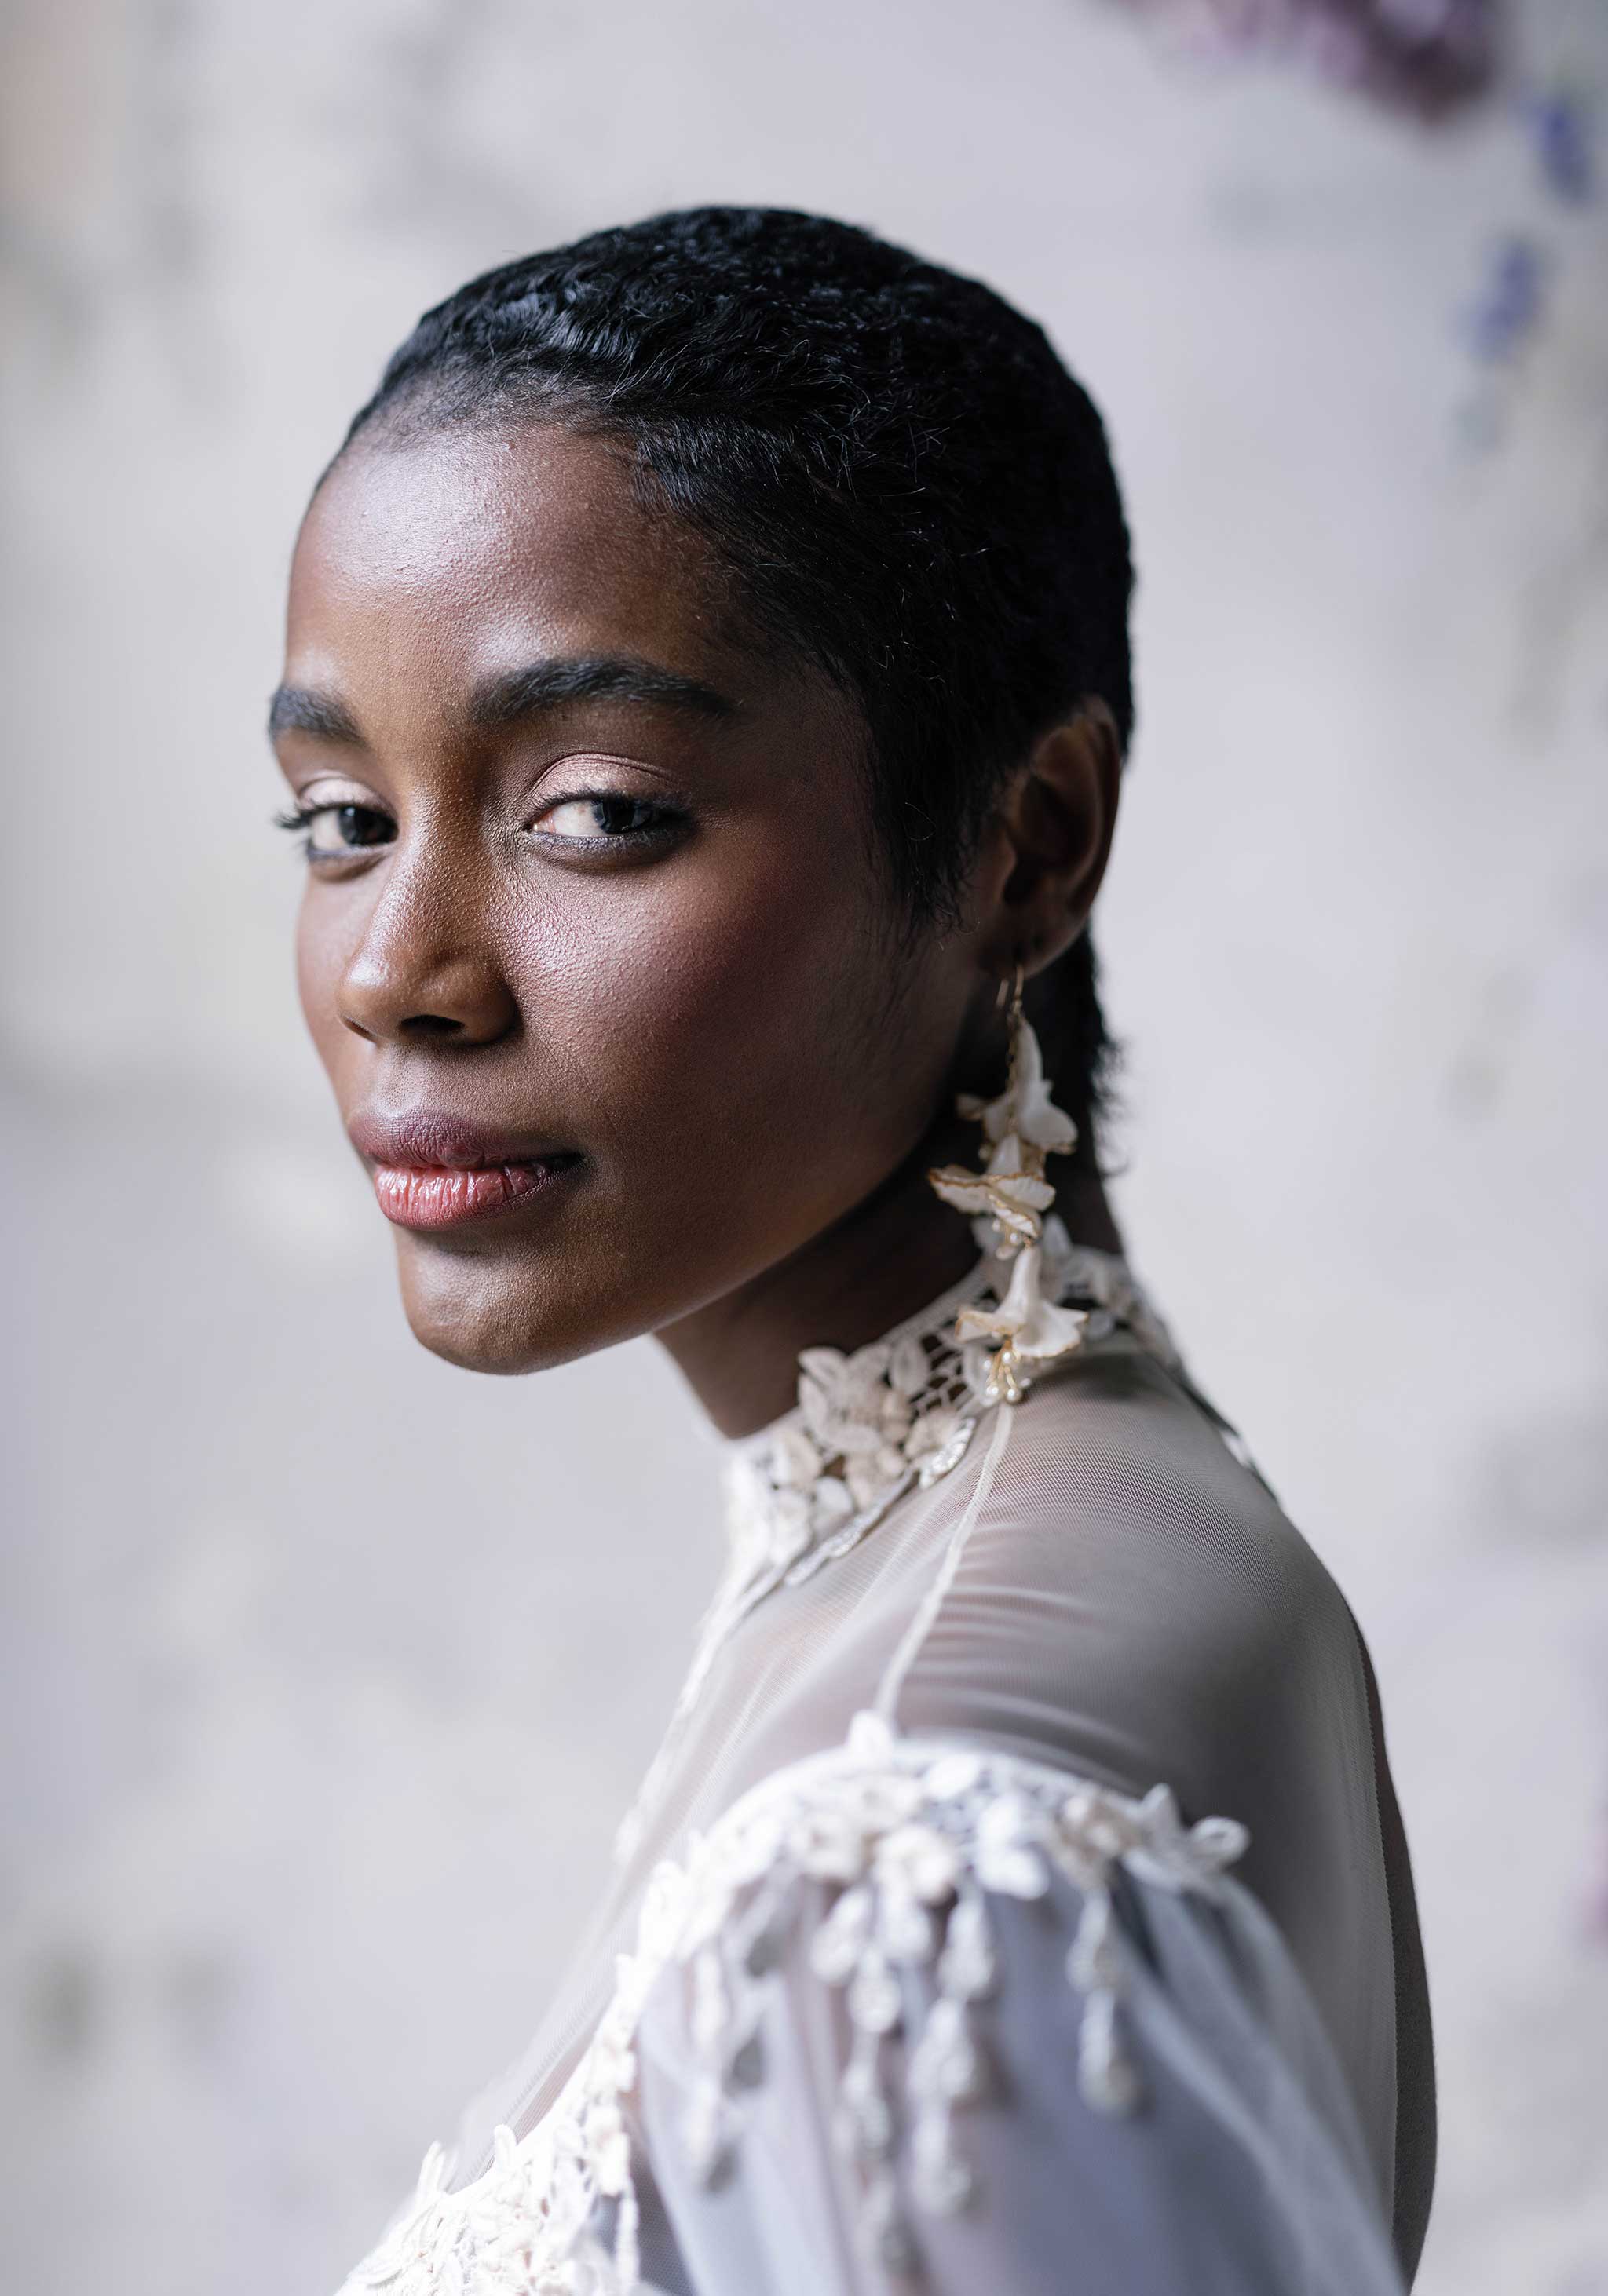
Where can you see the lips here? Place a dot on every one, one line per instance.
(434, 1171)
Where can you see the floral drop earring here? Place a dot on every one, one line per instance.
(1011, 1194)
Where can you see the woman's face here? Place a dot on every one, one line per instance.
(593, 946)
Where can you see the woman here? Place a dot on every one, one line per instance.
(706, 697)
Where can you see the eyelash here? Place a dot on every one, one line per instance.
(664, 820)
(300, 820)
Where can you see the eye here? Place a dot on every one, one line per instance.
(329, 832)
(345, 828)
(603, 816)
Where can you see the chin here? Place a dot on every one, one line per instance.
(503, 1318)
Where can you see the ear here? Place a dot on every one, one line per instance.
(1050, 841)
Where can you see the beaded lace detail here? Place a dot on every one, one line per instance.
(870, 1425)
(912, 1837)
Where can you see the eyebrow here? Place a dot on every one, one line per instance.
(591, 677)
(293, 709)
(513, 694)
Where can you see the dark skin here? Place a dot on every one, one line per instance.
(594, 875)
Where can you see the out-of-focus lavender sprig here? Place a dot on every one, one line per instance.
(1429, 58)
(1562, 124)
(1510, 304)
(1508, 308)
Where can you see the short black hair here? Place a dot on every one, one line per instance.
(908, 487)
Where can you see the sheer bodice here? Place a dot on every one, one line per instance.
(1013, 1875)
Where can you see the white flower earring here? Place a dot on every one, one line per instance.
(1022, 1129)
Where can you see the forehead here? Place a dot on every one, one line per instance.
(460, 553)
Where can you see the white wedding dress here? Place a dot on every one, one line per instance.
(1016, 1907)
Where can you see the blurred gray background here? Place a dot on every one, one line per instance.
(330, 1668)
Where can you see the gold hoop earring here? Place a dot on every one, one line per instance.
(1022, 1129)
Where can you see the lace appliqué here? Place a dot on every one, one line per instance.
(868, 1427)
(912, 1838)
(872, 1425)
(530, 2226)
(521, 2230)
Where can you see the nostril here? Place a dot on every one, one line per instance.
(462, 1001)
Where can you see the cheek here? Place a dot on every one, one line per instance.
(719, 1013)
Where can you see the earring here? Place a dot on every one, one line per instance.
(1021, 1129)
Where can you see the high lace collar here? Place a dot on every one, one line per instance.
(867, 1427)
(899, 1413)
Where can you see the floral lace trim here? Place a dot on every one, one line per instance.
(868, 1427)
(912, 1837)
(901, 1410)
(872, 1425)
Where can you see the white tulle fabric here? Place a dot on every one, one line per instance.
(1006, 1909)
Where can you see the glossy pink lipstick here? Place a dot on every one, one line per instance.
(432, 1172)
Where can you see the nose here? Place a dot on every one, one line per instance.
(421, 974)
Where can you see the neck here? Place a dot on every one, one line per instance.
(898, 1249)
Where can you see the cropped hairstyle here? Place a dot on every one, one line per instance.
(904, 485)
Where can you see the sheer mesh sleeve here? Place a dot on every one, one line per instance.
(947, 2019)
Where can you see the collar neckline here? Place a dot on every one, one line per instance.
(871, 1422)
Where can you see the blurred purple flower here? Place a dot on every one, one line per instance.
(1427, 57)
(1562, 128)
(1509, 306)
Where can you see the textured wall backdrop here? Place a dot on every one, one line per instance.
(300, 1621)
